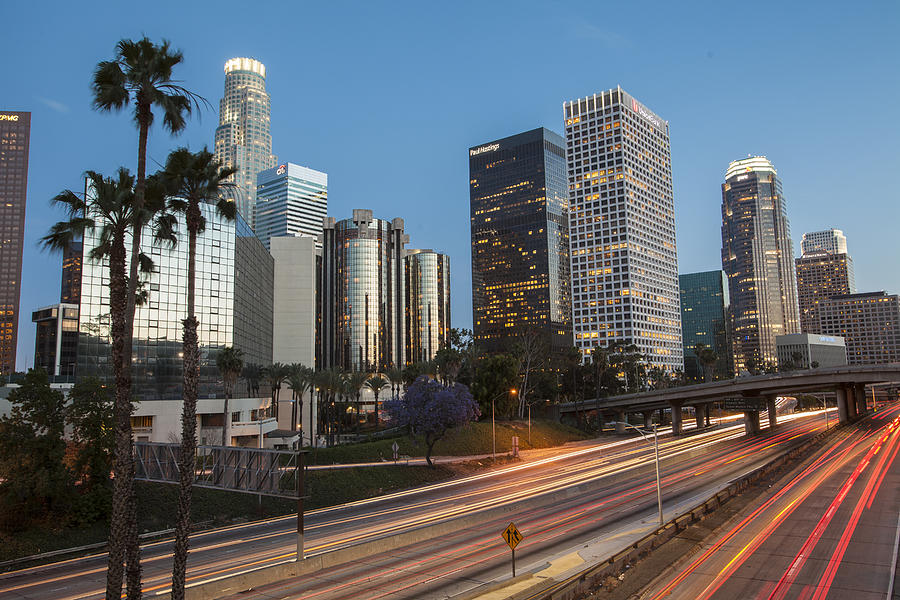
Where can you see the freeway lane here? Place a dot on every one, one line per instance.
(620, 470)
(830, 531)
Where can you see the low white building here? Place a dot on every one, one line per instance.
(825, 350)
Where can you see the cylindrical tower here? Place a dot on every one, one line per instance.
(427, 303)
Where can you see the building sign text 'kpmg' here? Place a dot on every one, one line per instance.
(482, 149)
(9, 117)
(657, 122)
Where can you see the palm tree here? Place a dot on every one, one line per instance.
(109, 213)
(141, 73)
(298, 383)
(275, 375)
(376, 383)
(355, 382)
(191, 179)
(707, 358)
(230, 362)
(252, 373)
(395, 376)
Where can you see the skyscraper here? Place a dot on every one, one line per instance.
(869, 323)
(821, 275)
(757, 253)
(243, 137)
(622, 228)
(427, 303)
(520, 241)
(15, 135)
(70, 282)
(362, 294)
(290, 200)
(832, 241)
(56, 339)
(704, 320)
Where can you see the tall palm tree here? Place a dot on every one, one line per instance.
(395, 376)
(376, 383)
(355, 382)
(275, 374)
(109, 213)
(191, 179)
(230, 362)
(298, 383)
(253, 374)
(140, 73)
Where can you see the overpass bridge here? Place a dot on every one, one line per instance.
(750, 394)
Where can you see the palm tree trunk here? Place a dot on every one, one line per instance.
(226, 420)
(186, 458)
(294, 412)
(119, 518)
(376, 410)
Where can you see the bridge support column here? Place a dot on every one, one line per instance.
(751, 422)
(698, 416)
(862, 406)
(843, 412)
(663, 417)
(676, 419)
(620, 421)
(648, 419)
(706, 408)
(851, 403)
(772, 410)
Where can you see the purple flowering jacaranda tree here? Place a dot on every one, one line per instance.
(430, 409)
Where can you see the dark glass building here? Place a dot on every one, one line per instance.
(757, 257)
(70, 283)
(234, 304)
(56, 340)
(704, 314)
(15, 134)
(427, 303)
(520, 241)
(362, 322)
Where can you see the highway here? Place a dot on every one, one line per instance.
(621, 499)
(831, 531)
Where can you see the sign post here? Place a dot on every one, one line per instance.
(512, 537)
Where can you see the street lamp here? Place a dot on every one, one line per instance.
(656, 450)
(494, 425)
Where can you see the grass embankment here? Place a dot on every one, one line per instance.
(214, 508)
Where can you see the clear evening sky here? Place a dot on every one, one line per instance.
(386, 97)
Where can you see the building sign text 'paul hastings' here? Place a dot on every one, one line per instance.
(482, 149)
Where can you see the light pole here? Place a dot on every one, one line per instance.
(656, 451)
(494, 425)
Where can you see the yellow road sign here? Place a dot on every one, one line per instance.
(512, 536)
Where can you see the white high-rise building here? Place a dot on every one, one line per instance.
(622, 228)
(290, 200)
(243, 137)
(832, 241)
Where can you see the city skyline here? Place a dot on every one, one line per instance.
(323, 129)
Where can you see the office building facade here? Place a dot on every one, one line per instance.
(243, 137)
(15, 138)
(869, 323)
(704, 320)
(832, 241)
(70, 282)
(807, 350)
(757, 257)
(427, 303)
(821, 275)
(362, 294)
(290, 200)
(622, 228)
(520, 242)
(56, 340)
(234, 306)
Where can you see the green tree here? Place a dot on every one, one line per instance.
(707, 358)
(140, 74)
(191, 179)
(355, 382)
(90, 414)
(230, 362)
(395, 376)
(34, 480)
(495, 377)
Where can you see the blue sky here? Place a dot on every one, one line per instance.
(387, 97)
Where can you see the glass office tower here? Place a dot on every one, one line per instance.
(757, 257)
(622, 228)
(427, 303)
(520, 241)
(704, 320)
(362, 294)
(233, 304)
(15, 135)
(243, 137)
(820, 276)
(290, 200)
